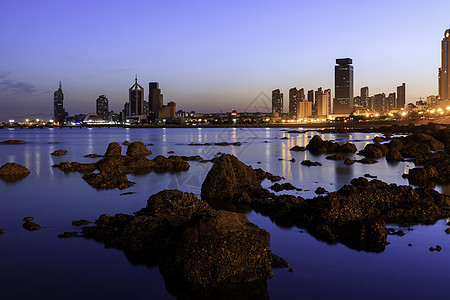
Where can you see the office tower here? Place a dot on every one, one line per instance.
(301, 94)
(59, 114)
(136, 99)
(317, 94)
(379, 102)
(343, 80)
(390, 102)
(432, 101)
(322, 101)
(277, 103)
(401, 96)
(311, 99)
(304, 109)
(365, 96)
(444, 76)
(357, 101)
(329, 101)
(293, 99)
(155, 100)
(102, 107)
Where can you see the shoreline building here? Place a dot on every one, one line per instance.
(401, 96)
(322, 99)
(343, 86)
(59, 114)
(102, 107)
(277, 103)
(444, 76)
(293, 100)
(155, 101)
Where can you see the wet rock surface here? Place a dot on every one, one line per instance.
(190, 242)
(113, 167)
(309, 163)
(11, 172)
(298, 148)
(12, 142)
(317, 145)
(59, 152)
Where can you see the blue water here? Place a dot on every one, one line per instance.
(39, 265)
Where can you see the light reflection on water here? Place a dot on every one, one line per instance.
(54, 199)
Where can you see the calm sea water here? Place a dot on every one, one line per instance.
(39, 265)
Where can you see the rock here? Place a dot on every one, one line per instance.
(31, 226)
(291, 270)
(447, 231)
(317, 145)
(347, 148)
(374, 150)
(228, 144)
(284, 138)
(218, 249)
(438, 248)
(309, 163)
(274, 178)
(2, 231)
(394, 155)
(194, 157)
(67, 235)
(367, 161)
(59, 152)
(104, 180)
(13, 172)
(171, 163)
(348, 161)
(114, 149)
(409, 245)
(377, 139)
(229, 180)
(297, 148)
(80, 222)
(420, 176)
(320, 190)
(292, 160)
(75, 167)
(126, 143)
(369, 176)
(137, 149)
(336, 157)
(12, 142)
(93, 155)
(281, 187)
(279, 262)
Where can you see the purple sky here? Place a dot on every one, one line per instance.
(209, 56)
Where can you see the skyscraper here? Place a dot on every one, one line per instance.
(365, 96)
(444, 76)
(293, 99)
(102, 107)
(401, 96)
(277, 103)
(136, 99)
(322, 99)
(155, 100)
(59, 115)
(343, 80)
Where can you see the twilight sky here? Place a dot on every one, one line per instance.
(211, 55)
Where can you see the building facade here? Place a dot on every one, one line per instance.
(136, 99)
(101, 105)
(322, 99)
(155, 101)
(343, 88)
(444, 76)
(59, 114)
(293, 99)
(277, 103)
(401, 96)
(364, 97)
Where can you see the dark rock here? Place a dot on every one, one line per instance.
(320, 190)
(284, 138)
(75, 167)
(317, 145)
(104, 180)
(127, 193)
(114, 149)
(437, 248)
(409, 245)
(291, 270)
(59, 152)
(279, 262)
(274, 178)
(2, 231)
(292, 160)
(227, 144)
(137, 149)
(308, 163)
(126, 143)
(347, 148)
(378, 139)
(12, 142)
(80, 222)
(170, 152)
(367, 161)
(31, 226)
(394, 155)
(171, 163)
(28, 219)
(348, 161)
(93, 155)
(369, 176)
(281, 187)
(336, 157)
(194, 157)
(420, 176)
(374, 150)
(297, 148)
(13, 171)
(447, 231)
(67, 235)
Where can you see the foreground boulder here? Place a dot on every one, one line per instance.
(190, 242)
(13, 172)
(317, 145)
(138, 149)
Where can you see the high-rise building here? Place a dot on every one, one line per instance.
(364, 97)
(401, 96)
(277, 103)
(322, 100)
(390, 102)
(304, 109)
(444, 76)
(293, 99)
(59, 114)
(136, 99)
(432, 101)
(379, 102)
(155, 100)
(102, 107)
(343, 80)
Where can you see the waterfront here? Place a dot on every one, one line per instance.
(40, 264)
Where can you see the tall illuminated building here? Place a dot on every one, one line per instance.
(293, 99)
(277, 103)
(444, 76)
(102, 107)
(155, 100)
(343, 86)
(136, 99)
(59, 114)
(401, 96)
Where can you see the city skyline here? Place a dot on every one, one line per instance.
(212, 56)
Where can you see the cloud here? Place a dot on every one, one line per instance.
(8, 84)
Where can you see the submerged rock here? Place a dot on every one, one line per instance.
(59, 152)
(12, 142)
(138, 149)
(309, 163)
(11, 172)
(104, 180)
(297, 148)
(317, 145)
(31, 226)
